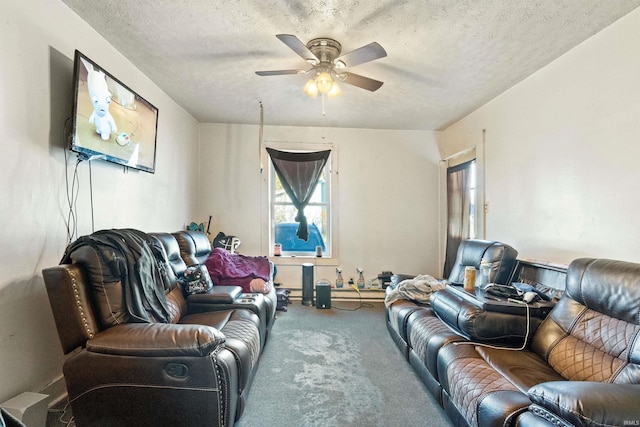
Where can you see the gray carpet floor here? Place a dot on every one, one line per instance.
(336, 368)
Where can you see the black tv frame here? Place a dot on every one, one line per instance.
(133, 116)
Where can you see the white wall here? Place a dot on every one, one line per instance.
(37, 42)
(563, 151)
(388, 184)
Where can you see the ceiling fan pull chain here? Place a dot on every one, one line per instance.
(323, 112)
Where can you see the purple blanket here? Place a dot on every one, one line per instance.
(228, 269)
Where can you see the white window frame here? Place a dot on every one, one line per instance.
(331, 257)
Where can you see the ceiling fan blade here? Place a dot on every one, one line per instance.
(361, 55)
(298, 47)
(279, 72)
(360, 81)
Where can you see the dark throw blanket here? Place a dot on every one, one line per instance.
(228, 269)
(137, 260)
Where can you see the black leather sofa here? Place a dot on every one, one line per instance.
(194, 368)
(471, 252)
(580, 366)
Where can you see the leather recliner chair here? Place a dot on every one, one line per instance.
(581, 367)
(194, 367)
(195, 249)
(502, 257)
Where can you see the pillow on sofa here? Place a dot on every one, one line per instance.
(196, 280)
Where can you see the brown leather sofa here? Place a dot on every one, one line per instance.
(193, 368)
(581, 366)
(194, 248)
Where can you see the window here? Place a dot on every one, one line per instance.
(283, 214)
(461, 209)
(320, 212)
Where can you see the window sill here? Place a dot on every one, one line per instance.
(299, 260)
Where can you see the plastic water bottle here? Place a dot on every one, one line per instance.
(485, 274)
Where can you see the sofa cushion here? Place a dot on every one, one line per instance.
(426, 334)
(490, 381)
(593, 333)
(480, 394)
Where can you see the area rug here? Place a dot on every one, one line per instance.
(336, 367)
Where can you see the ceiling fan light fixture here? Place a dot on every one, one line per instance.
(324, 82)
(326, 59)
(335, 90)
(311, 89)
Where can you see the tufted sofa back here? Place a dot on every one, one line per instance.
(501, 256)
(593, 333)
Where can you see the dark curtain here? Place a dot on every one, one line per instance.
(457, 211)
(299, 174)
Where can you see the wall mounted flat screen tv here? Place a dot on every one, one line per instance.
(110, 121)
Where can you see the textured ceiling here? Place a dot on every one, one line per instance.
(445, 57)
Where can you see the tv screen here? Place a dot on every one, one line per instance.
(110, 121)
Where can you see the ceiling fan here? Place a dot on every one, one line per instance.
(323, 54)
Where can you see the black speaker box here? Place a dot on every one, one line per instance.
(323, 295)
(307, 284)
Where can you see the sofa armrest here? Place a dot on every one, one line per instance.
(217, 295)
(156, 339)
(583, 403)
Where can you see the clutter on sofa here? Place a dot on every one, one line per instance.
(572, 359)
(135, 336)
(228, 243)
(500, 256)
(417, 289)
(196, 280)
(251, 273)
(194, 248)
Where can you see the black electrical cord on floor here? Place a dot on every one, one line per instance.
(362, 304)
(65, 419)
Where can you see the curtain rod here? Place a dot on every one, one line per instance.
(460, 153)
